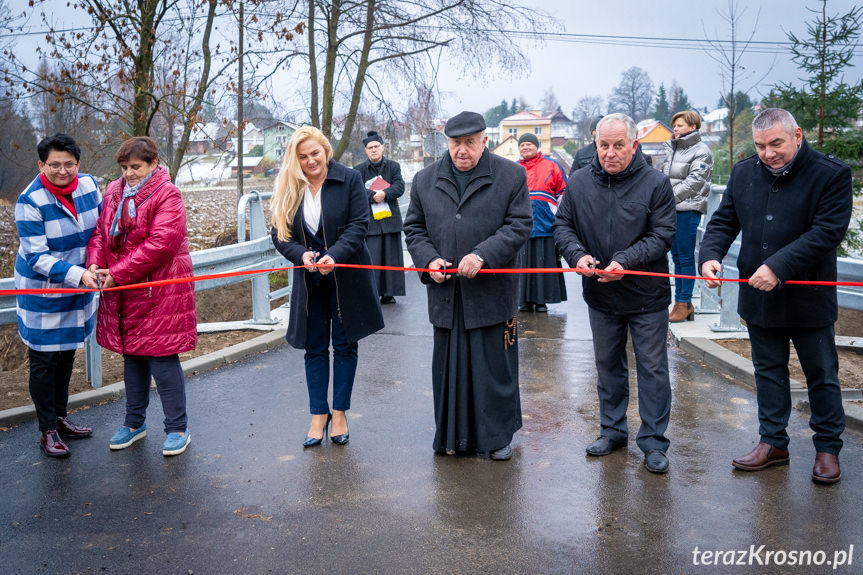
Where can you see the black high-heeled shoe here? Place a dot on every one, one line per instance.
(312, 441)
(343, 438)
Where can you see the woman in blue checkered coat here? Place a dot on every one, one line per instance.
(55, 217)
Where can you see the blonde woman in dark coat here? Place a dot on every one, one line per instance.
(320, 218)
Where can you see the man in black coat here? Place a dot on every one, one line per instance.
(585, 154)
(617, 215)
(471, 209)
(383, 180)
(793, 205)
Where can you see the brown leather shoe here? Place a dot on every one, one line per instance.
(681, 312)
(826, 469)
(51, 445)
(763, 456)
(68, 429)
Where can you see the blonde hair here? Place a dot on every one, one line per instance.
(291, 181)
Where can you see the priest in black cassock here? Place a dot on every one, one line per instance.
(471, 209)
(384, 184)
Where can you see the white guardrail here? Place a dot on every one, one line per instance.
(258, 253)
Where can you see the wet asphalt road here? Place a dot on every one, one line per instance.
(246, 497)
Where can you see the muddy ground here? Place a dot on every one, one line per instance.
(850, 361)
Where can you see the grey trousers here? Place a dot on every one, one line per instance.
(648, 332)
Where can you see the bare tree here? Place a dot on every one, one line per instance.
(586, 109)
(549, 103)
(634, 95)
(133, 58)
(423, 110)
(380, 48)
(728, 52)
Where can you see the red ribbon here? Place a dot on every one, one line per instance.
(35, 291)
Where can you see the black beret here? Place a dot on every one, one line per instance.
(372, 136)
(528, 137)
(464, 124)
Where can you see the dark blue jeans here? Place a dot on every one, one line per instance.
(683, 254)
(648, 332)
(816, 349)
(322, 325)
(170, 383)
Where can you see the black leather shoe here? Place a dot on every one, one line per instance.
(655, 461)
(604, 446)
(388, 299)
(502, 454)
(68, 429)
(541, 308)
(526, 307)
(313, 441)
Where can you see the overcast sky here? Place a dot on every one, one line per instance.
(574, 66)
(576, 69)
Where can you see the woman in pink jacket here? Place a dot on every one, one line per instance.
(141, 237)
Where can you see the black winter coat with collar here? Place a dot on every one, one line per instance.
(792, 222)
(493, 218)
(628, 217)
(390, 171)
(345, 219)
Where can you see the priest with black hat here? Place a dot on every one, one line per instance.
(384, 183)
(471, 210)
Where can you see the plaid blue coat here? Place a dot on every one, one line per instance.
(52, 254)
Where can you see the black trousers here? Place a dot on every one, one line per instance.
(50, 372)
(816, 349)
(648, 332)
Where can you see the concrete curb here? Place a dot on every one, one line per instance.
(742, 372)
(16, 415)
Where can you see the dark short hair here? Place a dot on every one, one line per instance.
(140, 147)
(59, 143)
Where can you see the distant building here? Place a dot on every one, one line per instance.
(206, 138)
(652, 136)
(250, 166)
(526, 122)
(562, 126)
(276, 138)
(715, 122)
(493, 133)
(508, 149)
(252, 137)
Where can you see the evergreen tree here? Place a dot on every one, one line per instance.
(827, 103)
(679, 100)
(493, 116)
(661, 109)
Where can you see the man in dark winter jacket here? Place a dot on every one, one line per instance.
(793, 205)
(618, 215)
(585, 154)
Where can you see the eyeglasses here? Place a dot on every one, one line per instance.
(56, 167)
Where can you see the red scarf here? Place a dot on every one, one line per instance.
(63, 195)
